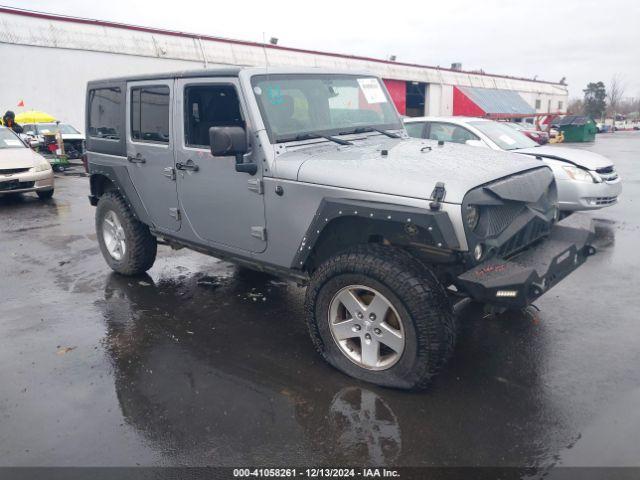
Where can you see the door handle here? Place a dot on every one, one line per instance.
(189, 165)
(137, 159)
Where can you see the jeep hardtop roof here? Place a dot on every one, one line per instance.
(232, 71)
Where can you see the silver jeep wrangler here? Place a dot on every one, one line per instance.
(310, 175)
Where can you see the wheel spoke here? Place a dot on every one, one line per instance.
(110, 242)
(350, 302)
(344, 330)
(379, 307)
(391, 337)
(370, 352)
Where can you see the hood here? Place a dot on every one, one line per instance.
(411, 168)
(72, 136)
(18, 158)
(576, 156)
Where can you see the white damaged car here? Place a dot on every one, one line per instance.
(586, 180)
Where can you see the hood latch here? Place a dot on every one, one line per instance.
(437, 196)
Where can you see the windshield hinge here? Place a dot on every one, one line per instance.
(437, 196)
(259, 232)
(256, 185)
(169, 172)
(175, 213)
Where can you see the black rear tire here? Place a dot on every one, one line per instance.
(414, 292)
(141, 246)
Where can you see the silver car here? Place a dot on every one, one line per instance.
(21, 169)
(586, 180)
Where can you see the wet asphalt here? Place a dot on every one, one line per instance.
(201, 364)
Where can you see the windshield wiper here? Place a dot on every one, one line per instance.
(311, 136)
(373, 129)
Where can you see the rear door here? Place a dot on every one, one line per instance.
(223, 206)
(150, 150)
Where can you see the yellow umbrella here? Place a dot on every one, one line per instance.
(34, 116)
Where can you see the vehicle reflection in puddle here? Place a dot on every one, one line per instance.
(363, 421)
(209, 373)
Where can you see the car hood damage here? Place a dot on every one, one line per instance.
(407, 167)
(574, 156)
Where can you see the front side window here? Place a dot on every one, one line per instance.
(209, 106)
(105, 107)
(301, 105)
(447, 132)
(415, 129)
(150, 114)
(504, 136)
(8, 139)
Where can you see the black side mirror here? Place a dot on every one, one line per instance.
(227, 141)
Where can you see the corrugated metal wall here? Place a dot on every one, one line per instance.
(57, 54)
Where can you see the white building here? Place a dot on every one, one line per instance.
(48, 59)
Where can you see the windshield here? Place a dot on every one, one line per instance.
(52, 128)
(298, 105)
(504, 136)
(8, 139)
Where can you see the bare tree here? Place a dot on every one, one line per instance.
(615, 94)
(575, 107)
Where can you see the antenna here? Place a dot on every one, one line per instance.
(264, 49)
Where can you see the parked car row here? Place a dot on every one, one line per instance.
(585, 180)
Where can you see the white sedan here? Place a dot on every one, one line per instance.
(21, 169)
(586, 180)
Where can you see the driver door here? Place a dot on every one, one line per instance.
(224, 207)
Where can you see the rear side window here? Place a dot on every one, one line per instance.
(150, 114)
(415, 129)
(105, 106)
(448, 132)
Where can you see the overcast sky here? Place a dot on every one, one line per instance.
(582, 40)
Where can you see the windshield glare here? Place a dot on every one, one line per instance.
(298, 105)
(8, 139)
(504, 136)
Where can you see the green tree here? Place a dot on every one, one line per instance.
(594, 100)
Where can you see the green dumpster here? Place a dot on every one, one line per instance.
(576, 128)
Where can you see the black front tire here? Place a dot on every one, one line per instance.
(141, 246)
(45, 194)
(414, 292)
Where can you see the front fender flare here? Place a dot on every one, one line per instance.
(434, 226)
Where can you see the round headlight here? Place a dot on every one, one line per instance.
(478, 252)
(471, 216)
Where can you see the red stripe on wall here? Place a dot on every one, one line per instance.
(398, 91)
(463, 105)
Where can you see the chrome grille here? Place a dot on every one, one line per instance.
(12, 171)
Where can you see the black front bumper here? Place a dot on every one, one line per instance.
(517, 282)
